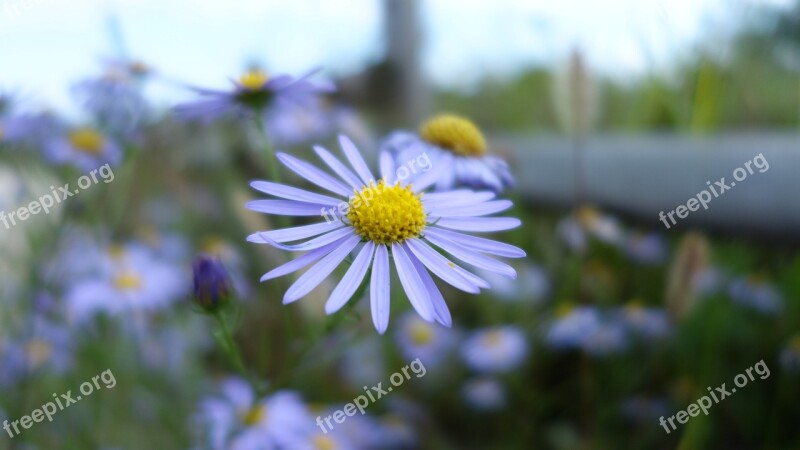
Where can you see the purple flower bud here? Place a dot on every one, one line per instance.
(212, 284)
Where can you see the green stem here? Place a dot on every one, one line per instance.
(225, 339)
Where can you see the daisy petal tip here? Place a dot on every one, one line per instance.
(266, 277)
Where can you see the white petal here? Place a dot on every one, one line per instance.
(317, 242)
(351, 280)
(412, 283)
(474, 258)
(479, 224)
(314, 175)
(300, 262)
(295, 233)
(355, 159)
(338, 168)
(286, 207)
(379, 289)
(441, 266)
(440, 308)
(477, 243)
(293, 193)
(386, 163)
(478, 209)
(314, 276)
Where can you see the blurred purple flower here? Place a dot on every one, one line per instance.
(458, 151)
(237, 419)
(255, 93)
(495, 350)
(85, 148)
(756, 294)
(646, 248)
(430, 342)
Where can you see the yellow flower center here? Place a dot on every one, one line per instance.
(116, 251)
(421, 333)
(322, 442)
(493, 338)
(127, 281)
(454, 133)
(795, 343)
(564, 309)
(387, 214)
(253, 80)
(587, 215)
(254, 415)
(87, 140)
(38, 352)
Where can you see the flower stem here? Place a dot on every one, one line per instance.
(225, 340)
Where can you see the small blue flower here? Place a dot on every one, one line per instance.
(649, 323)
(484, 394)
(255, 93)
(430, 342)
(85, 148)
(646, 248)
(495, 350)
(757, 294)
(237, 419)
(584, 328)
(212, 284)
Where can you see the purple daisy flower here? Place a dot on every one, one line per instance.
(254, 92)
(237, 419)
(458, 148)
(384, 221)
(84, 148)
(755, 293)
(114, 100)
(127, 279)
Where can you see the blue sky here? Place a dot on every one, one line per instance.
(47, 44)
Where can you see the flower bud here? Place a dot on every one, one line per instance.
(212, 284)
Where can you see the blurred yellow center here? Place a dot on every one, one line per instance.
(454, 133)
(255, 415)
(587, 215)
(323, 442)
(87, 140)
(795, 343)
(117, 252)
(253, 80)
(38, 352)
(387, 214)
(492, 338)
(127, 281)
(421, 333)
(564, 309)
